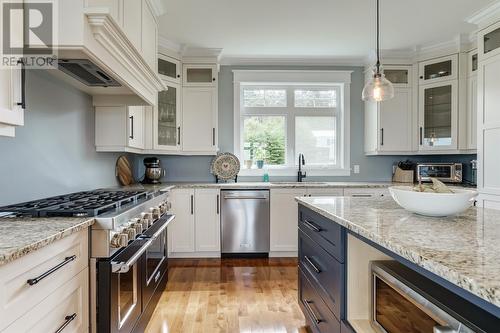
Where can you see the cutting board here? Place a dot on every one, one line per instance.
(124, 171)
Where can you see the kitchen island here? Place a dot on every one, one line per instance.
(459, 253)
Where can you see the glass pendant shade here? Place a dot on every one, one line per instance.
(378, 89)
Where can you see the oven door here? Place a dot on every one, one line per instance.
(120, 290)
(155, 263)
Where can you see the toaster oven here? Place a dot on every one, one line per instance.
(445, 172)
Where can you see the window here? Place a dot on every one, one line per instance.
(274, 122)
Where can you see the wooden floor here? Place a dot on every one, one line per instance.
(229, 295)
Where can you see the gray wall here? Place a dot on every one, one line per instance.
(373, 168)
(53, 153)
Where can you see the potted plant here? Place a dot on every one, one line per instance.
(260, 155)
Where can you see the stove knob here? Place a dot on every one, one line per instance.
(138, 227)
(130, 232)
(145, 223)
(156, 212)
(169, 205)
(119, 240)
(163, 208)
(123, 239)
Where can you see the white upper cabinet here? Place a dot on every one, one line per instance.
(133, 26)
(136, 127)
(149, 36)
(167, 119)
(438, 70)
(170, 69)
(472, 67)
(489, 41)
(438, 116)
(389, 124)
(199, 119)
(200, 75)
(12, 100)
(119, 128)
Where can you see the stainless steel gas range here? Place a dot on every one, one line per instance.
(128, 250)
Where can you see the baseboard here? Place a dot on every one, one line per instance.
(283, 254)
(188, 255)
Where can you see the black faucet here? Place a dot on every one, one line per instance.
(301, 175)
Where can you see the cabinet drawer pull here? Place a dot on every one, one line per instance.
(312, 226)
(312, 264)
(68, 319)
(192, 204)
(131, 127)
(316, 319)
(381, 136)
(421, 136)
(66, 261)
(218, 203)
(362, 195)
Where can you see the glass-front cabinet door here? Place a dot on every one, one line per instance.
(200, 75)
(169, 69)
(438, 70)
(400, 76)
(167, 122)
(438, 116)
(489, 41)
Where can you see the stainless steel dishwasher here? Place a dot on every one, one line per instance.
(245, 222)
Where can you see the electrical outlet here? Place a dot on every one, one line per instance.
(356, 168)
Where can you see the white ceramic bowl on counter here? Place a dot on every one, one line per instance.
(433, 204)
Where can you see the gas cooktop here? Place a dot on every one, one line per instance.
(86, 203)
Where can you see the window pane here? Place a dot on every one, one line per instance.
(264, 97)
(315, 138)
(315, 98)
(264, 139)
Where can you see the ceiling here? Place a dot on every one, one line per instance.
(313, 28)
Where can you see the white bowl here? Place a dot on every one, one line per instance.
(433, 204)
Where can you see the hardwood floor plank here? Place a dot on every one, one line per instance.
(229, 296)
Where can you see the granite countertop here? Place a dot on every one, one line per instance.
(23, 235)
(462, 249)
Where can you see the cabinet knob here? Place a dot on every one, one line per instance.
(213, 79)
(178, 75)
(421, 77)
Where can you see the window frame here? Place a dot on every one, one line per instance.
(292, 80)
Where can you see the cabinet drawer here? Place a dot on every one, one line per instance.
(18, 296)
(68, 305)
(323, 269)
(317, 314)
(367, 192)
(323, 231)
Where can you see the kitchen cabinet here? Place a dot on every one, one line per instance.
(11, 100)
(170, 69)
(195, 232)
(181, 231)
(389, 124)
(42, 306)
(489, 41)
(438, 116)
(472, 60)
(366, 192)
(199, 119)
(438, 70)
(149, 35)
(132, 21)
(167, 119)
(283, 220)
(200, 75)
(119, 128)
(207, 220)
(324, 192)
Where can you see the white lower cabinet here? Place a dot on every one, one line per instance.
(284, 219)
(366, 192)
(28, 304)
(195, 232)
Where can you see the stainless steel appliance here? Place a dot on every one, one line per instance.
(405, 301)
(245, 222)
(128, 265)
(153, 172)
(445, 172)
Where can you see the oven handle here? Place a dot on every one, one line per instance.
(124, 267)
(165, 221)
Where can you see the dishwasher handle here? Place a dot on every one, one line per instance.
(230, 197)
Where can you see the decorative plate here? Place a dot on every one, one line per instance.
(225, 166)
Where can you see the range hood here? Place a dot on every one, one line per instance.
(97, 56)
(87, 73)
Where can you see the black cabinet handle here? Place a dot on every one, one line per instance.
(131, 127)
(179, 135)
(312, 264)
(218, 202)
(381, 136)
(23, 85)
(68, 319)
(421, 136)
(178, 75)
(213, 136)
(66, 261)
(312, 226)
(213, 79)
(192, 204)
(316, 319)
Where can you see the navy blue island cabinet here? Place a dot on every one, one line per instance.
(322, 252)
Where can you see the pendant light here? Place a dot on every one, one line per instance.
(378, 88)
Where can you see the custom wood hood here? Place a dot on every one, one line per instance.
(118, 37)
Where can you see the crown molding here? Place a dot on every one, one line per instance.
(290, 61)
(486, 16)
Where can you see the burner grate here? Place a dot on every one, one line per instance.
(87, 203)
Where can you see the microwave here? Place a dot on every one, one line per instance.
(399, 305)
(445, 172)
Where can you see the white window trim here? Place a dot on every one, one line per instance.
(287, 77)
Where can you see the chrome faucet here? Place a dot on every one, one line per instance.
(301, 175)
